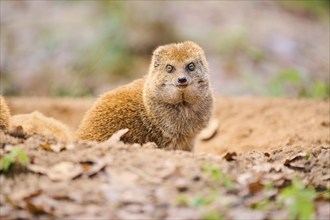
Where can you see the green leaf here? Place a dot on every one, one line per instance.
(218, 176)
(23, 157)
(5, 163)
(15, 155)
(262, 205)
(291, 77)
(299, 200)
(201, 201)
(212, 215)
(319, 89)
(228, 183)
(182, 200)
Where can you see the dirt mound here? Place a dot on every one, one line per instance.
(113, 180)
(245, 124)
(262, 124)
(270, 161)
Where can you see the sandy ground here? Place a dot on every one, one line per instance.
(244, 124)
(112, 180)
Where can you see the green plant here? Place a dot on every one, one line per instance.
(299, 200)
(285, 78)
(317, 89)
(15, 156)
(182, 200)
(201, 201)
(290, 82)
(198, 200)
(261, 205)
(266, 202)
(218, 176)
(212, 215)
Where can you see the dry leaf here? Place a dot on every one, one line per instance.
(230, 156)
(16, 198)
(64, 171)
(115, 138)
(296, 161)
(255, 187)
(37, 169)
(268, 167)
(171, 170)
(296, 157)
(45, 146)
(57, 147)
(181, 184)
(326, 177)
(41, 204)
(91, 168)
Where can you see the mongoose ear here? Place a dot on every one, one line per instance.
(157, 56)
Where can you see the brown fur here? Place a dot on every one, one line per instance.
(4, 114)
(154, 108)
(36, 122)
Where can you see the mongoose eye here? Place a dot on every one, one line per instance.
(191, 66)
(169, 68)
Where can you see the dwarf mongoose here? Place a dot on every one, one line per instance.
(169, 106)
(38, 123)
(4, 114)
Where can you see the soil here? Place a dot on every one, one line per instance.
(256, 149)
(244, 124)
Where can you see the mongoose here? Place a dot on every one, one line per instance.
(36, 122)
(4, 114)
(168, 106)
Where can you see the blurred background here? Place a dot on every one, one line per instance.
(84, 48)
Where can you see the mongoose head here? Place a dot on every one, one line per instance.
(178, 74)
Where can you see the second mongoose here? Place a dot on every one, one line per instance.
(169, 106)
(33, 123)
(37, 123)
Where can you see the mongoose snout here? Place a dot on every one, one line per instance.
(182, 80)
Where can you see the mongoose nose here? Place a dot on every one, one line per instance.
(182, 80)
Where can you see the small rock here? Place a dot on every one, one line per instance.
(181, 185)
